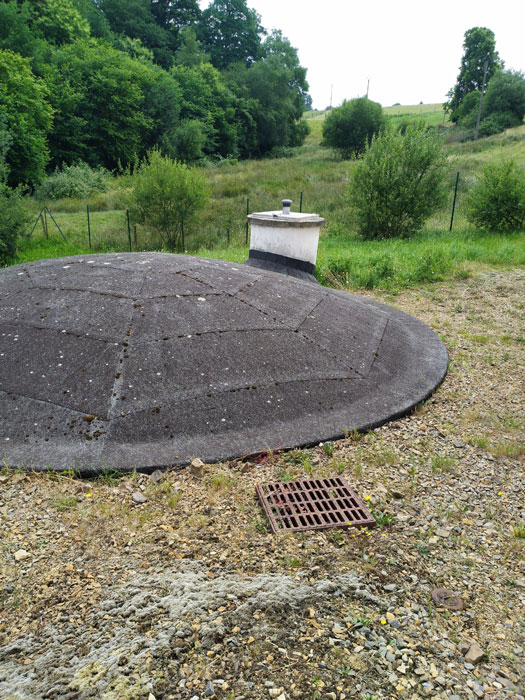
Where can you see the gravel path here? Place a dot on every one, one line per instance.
(170, 586)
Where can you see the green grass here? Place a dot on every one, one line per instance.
(322, 178)
(432, 115)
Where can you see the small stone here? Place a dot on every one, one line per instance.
(21, 555)
(138, 497)
(274, 692)
(390, 587)
(474, 654)
(442, 532)
(197, 468)
(209, 690)
(156, 476)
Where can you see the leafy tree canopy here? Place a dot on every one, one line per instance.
(479, 50)
(59, 20)
(176, 14)
(350, 127)
(135, 19)
(230, 32)
(190, 52)
(27, 118)
(99, 97)
(506, 93)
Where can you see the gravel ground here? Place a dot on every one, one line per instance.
(170, 586)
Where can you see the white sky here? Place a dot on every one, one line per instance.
(409, 49)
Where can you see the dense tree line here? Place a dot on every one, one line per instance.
(105, 81)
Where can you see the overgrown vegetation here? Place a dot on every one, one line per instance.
(166, 195)
(350, 128)
(344, 260)
(13, 214)
(79, 180)
(399, 182)
(198, 85)
(497, 201)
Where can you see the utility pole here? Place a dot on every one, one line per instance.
(367, 88)
(485, 67)
(331, 94)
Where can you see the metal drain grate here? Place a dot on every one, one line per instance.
(313, 504)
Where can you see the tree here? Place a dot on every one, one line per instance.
(506, 94)
(480, 60)
(190, 51)
(350, 127)
(176, 14)
(59, 20)
(497, 201)
(27, 116)
(230, 32)
(206, 99)
(13, 215)
(166, 196)
(99, 95)
(272, 93)
(398, 183)
(135, 19)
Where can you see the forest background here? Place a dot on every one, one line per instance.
(104, 81)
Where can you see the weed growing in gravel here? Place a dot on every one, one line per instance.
(219, 481)
(519, 531)
(338, 465)
(442, 463)
(64, 504)
(513, 449)
(109, 477)
(382, 518)
(328, 448)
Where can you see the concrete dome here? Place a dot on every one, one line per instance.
(140, 360)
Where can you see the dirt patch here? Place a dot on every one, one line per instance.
(183, 593)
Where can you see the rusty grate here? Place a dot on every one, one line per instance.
(312, 504)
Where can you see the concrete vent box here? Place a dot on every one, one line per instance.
(285, 241)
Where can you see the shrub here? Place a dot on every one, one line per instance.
(13, 216)
(399, 183)
(13, 223)
(497, 122)
(187, 142)
(349, 128)
(497, 201)
(77, 181)
(166, 195)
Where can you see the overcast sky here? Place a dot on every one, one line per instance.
(410, 50)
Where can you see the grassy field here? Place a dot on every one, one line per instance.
(318, 176)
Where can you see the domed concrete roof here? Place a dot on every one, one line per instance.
(140, 360)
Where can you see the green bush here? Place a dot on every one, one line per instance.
(167, 195)
(398, 183)
(497, 122)
(77, 181)
(497, 201)
(14, 221)
(350, 127)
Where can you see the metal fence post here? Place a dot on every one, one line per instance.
(89, 226)
(247, 212)
(454, 202)
(129, 229)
